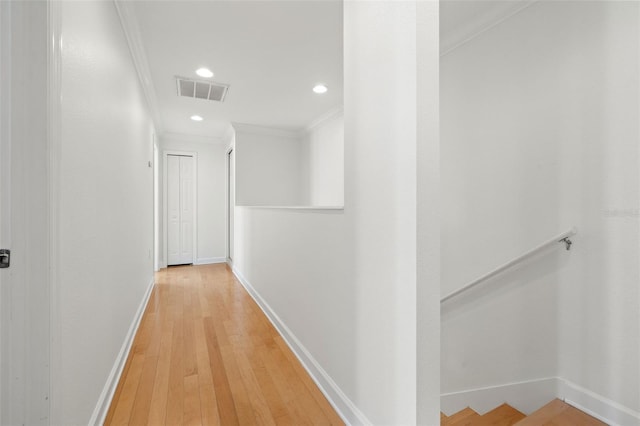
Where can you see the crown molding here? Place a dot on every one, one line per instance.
(266, 131)
(500, 12)
(192, 138)
(136, 47)
(323, 119)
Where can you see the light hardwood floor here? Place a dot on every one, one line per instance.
(555, 413)
(206, 354)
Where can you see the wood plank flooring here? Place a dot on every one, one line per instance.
(205, 354)
(555, 413)
(559, 413)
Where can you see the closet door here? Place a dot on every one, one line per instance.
(180, 211)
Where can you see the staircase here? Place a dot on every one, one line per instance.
(554, 413)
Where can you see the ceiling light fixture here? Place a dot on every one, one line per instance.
(320, 88)
(204, 72)
(196, 118)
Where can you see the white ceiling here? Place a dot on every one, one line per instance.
(271, 53)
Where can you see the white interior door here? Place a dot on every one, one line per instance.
(180, 209)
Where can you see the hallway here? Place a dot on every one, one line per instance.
(206, 354)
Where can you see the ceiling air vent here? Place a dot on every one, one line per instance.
(208, 90)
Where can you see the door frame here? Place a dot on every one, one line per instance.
(165, 222)
(30, 65)
(157, 260)
(230, 202)
(5, 176)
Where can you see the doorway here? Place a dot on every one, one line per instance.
(180, 207)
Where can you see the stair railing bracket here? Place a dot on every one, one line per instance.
(567, 242)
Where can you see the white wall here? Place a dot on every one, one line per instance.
(344, 281)
(322, 162)
(211, 190)
(500, 198)
(539, 133)
(268, 167)
(428, 229)
(105, 207)
(600, 296)
(24, 228)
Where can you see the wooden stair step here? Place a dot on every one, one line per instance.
(461, 418)
(557, 413)
(467, 421)
(504, 415)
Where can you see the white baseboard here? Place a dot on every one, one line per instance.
(530, 395)
(596, 405)
(345, 408)
(525, 396)
(102, 407)
(209, 260)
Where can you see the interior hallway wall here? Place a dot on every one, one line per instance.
(600, 296)
(344, 282)
(322, 162)
(211, 190)
(500, 198)
(539, 133)
(105, 206)
(268, 167)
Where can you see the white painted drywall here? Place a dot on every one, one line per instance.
(344, 281)
(322, 163)
(428, 206)
(500, 198)
(268, 167)
(211, 190)
(24, 294)
(105, 222)
(599, 313)
(539, 133)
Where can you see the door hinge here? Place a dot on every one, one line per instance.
(5, 258)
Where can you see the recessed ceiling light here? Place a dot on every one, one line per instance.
(320, 88)
(204, 72)
(196, 118)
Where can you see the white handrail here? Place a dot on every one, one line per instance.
(561, 238)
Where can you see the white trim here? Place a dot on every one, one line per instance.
(54, 123)
(228, 202)
(165, 248)
(157, 261)
(345, 408)
(323, 119)
(526, 396)
(262, 130)
(464, 35)
(192, 138)
(340, 208)
(136, 47)
(598, 406)
(209, 260)
(5, 197)
(102, 406)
